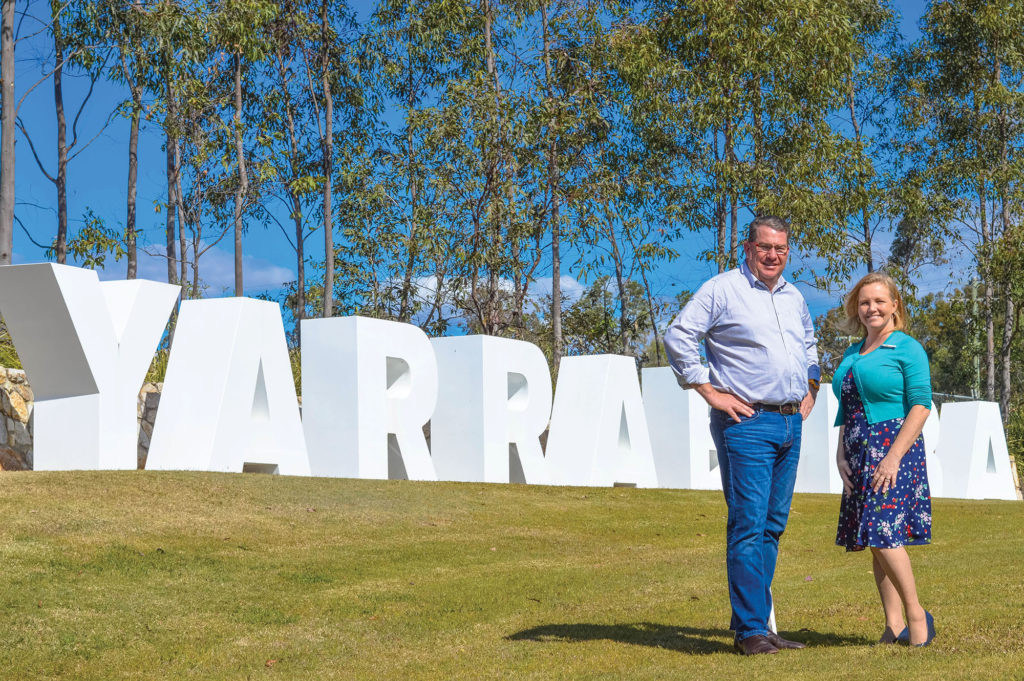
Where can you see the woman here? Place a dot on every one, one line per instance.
(884, 389)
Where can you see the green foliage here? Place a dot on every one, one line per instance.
(8, 355)
(93, 242)
(158, 367)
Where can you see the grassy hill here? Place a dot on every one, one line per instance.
(148, 575)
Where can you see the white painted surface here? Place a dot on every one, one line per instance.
(598, 430)
(679, 424)
(972, 451)
(368, 388)
(494, 402)
(229, 399)
(86, 347)
(819, 440)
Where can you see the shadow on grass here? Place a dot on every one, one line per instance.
(690, 640)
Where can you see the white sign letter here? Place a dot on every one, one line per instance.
(368, 388)
(972, 452)
(494, 402)
(86, 347)
(229, 400)
(598, 430)
(680, 428)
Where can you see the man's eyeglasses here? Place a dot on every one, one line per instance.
(765, 249)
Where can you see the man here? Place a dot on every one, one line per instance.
(761, 383)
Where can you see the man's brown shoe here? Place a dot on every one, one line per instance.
(755, 645)
(783, 644)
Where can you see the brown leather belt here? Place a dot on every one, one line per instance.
(784, 409)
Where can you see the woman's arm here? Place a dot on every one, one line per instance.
(844, 468)
(887, 468)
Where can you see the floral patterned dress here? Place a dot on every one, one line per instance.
(903, 515)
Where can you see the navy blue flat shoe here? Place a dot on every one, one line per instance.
(903, 638)
(931, 631)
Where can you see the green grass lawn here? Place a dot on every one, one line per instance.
(147, 575)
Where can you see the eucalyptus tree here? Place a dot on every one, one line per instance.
(418, 46)
(177, 35)
(285, 112)
(744, 93)
(122, 26)
(75, 48)
(966, 93)
(240, 29)
(7, 131)
(867, 188)
(330, 57)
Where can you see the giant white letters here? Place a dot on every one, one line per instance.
(936, 473)
(598, 430)
(684, 453)
(86, 347)
(368, 388)
(972, 452)
(817, 471)
(229, 400)
(494, 401)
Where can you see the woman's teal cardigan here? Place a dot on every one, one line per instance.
(890, 379)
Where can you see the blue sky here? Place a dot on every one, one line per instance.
(97, 180)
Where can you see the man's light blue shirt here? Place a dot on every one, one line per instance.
(760, 344)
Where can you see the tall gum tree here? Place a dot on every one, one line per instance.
(966, 96)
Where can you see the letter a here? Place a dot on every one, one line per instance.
(598, 430)
(229, 399)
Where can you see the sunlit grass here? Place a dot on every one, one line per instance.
(145, 575)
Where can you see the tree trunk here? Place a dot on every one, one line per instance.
(328, 169)
(733, 230)
(552, 191)
(7, 133)
(133, 172)
(170, 220)
(1005, 350)
(405, 303)
(758, 135)
(243, 178)
(865, 213)
(170, 131)
(293, 196)
(720, 221)
(61, 248)
(988, 296)
(619, 283)
(300, 264)
(182, 219)
(730, 157)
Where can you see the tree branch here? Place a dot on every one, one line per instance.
(21, 126)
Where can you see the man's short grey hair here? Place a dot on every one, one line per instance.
(770, 221)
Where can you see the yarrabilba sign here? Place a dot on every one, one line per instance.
(369, 387)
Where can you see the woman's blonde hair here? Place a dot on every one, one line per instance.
(899, 315)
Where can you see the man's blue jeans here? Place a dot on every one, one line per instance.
(757, 458)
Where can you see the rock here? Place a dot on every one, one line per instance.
(14, 405)
(147, 428)
(26, 392)
(18, 435)
(12, 460)
(3, 375)
(3, 430)
(152, 401)
(16, 376)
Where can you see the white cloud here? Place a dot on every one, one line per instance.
(216, 270)
(571, 288)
